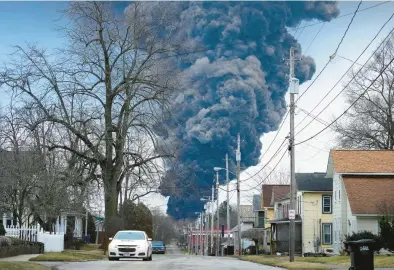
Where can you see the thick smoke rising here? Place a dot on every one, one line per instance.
(238, 85)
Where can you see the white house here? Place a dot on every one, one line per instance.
(362, 181)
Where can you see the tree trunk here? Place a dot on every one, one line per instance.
(111, 206)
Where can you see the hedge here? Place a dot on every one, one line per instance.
(10, 246)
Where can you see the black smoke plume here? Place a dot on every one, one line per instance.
(237, 85)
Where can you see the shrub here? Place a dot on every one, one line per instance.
(10, 246)
(378, 245)
(387, 232)
(5, 241)
(2, 229)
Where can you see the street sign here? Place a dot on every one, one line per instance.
(291, 214)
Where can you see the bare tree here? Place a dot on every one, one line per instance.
(111, 80)
(164, 227)
(370, 124)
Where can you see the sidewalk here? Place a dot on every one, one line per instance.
(19, 258)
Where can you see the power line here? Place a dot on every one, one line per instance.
(277, 151)
(276, 135)
(332, 56)
(347, 14)
(313, 40)
(347, 29)
(376, 50)
(339, 44)
(351, 105)
(265, 178)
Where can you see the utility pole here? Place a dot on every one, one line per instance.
(238, 159)
(212, 218)
(228, 201)
(201, 233)
(293, 86)
(217, 214)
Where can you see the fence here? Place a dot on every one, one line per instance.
(52, 242)
(24, 233)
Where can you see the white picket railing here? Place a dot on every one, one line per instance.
(24, 233)
(54, 242)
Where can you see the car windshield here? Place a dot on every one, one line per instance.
(130, 236)
(157, 243)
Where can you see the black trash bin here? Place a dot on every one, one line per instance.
(361, 254)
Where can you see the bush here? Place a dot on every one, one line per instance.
(387, 232)
(365, 235)
(10, 246)
(70, 242)
(2, 229)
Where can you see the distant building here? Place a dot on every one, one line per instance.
(313, 215)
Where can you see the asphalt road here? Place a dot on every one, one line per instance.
(173, 260)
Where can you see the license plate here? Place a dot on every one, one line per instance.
(126, 254)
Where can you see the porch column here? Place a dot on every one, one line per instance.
(5, 220)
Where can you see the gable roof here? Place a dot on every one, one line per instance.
(272, 193)
(365, 194)
(316, 181)
(362, 161)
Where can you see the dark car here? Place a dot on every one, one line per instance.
(158, 247)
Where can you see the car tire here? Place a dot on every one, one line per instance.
(150, 258)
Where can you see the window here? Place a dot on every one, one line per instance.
(260, 221)
(326, 233)
(326, 204)
(130, 235)
(339, 194)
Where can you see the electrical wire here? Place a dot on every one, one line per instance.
(313, 40)
(265, 178)
(276, 135)
(351, 105)
(348, 14)
(274, 155)
(376, 50)
(337, 48)
(332, 56)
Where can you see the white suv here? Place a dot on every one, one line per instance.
(130, 244)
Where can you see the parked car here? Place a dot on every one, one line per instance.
(130, 244)
(158, 247)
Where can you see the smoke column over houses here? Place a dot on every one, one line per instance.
(238, 85)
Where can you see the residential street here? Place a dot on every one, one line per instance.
(173, 260)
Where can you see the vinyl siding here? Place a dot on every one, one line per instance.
(312, 220)
(370, 224)
(269, 216)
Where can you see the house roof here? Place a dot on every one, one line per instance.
(362, 161)
(366, 193)
(272, 193)
(316, 181)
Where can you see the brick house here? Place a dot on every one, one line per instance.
(362, 181)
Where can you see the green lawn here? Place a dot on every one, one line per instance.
(89, 247)
(283, 262)
(380, 261)
(22, 266)
(69, 256)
